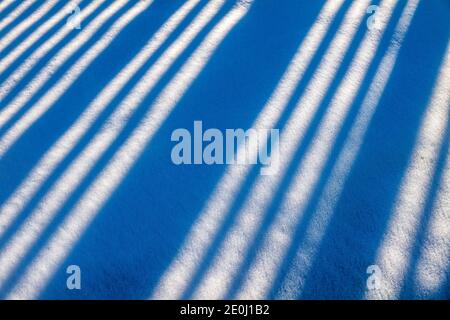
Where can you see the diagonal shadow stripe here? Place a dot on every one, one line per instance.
(253, 174)
(12, 207)
(433, 267)
(38, 82)
(395, 250)
(36, 35)
(132, 122)
(313, 228)
(119, 25)
(343, 92)
(6, 40)
(237, 64)
(346, 227)
(133, 99)
(7, 5)
(177, 277)
(428, 263)
(53, 94)
(228, 258)
(345, 126)
(16, 15)
(134, 145)
(15, 74)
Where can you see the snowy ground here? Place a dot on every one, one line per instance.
(360, 206)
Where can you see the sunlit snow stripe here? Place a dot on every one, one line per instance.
(5, 4)
(55, 63)
(231, 252)
(26, 23)
(39, 53)
(340, 171)
(75, 223)
(55, 92)
(434, 262)
(17, 12)
(263, 271)
(6, 61)
(112, 128)
(39, 174)
(395, 250)
(177, 277)
(40, 217)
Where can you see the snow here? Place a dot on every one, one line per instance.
(86, 176)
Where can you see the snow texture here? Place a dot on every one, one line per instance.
(360, 206)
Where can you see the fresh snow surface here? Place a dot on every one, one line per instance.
(358, 209)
